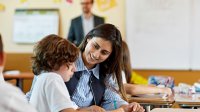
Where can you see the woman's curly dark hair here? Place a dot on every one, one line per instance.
(52, 52)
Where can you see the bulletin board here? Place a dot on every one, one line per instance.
(31, 25)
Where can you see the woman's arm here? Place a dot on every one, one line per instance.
(134, 89)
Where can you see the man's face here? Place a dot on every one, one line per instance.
(86, 6)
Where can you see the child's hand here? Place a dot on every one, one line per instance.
(133, 107)
(93, 108)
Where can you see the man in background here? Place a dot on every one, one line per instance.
(82, 24)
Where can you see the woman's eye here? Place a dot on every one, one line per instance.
(96, 47)
(105, 53)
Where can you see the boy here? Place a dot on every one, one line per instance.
(53, 64)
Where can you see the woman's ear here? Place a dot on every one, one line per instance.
(88, 39)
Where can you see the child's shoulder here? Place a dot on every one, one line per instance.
(51, 76)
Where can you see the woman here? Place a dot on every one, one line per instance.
(98, 64)
(134, 89)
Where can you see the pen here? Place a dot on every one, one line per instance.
(115, 104)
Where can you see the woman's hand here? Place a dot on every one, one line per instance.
(167, 91)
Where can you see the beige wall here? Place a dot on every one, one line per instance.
(68, 11)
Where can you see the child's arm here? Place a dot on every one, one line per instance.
(134, 89)
(99, 109)
(92, 108)
(69, 110)
(86, 109)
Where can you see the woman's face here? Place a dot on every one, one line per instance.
(66, 72)
(97, 50)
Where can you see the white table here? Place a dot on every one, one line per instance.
(174, 110)
(191, 101)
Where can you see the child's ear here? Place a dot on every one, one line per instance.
(67, 66)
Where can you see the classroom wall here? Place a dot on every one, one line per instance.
(18, 56)
(115, 15)
(18, 53)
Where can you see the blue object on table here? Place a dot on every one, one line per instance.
(161, 80)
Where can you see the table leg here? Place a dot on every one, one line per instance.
(147, 108)
(20, 84)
